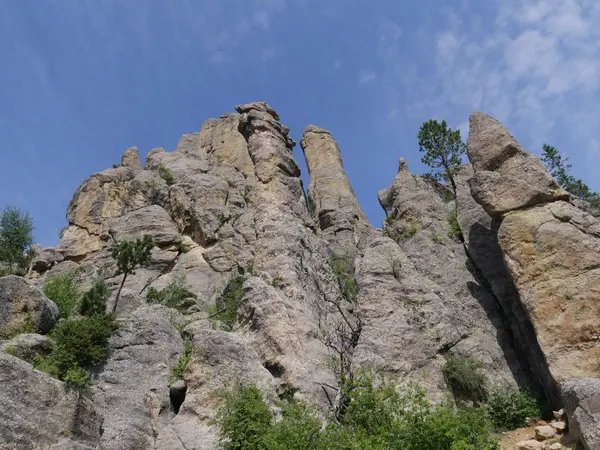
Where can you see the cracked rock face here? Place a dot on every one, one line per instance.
(504, 270)
(551, 248)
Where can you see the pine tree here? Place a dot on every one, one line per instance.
(16, 239)
(443, 149)
(129, 255)
(93, 301)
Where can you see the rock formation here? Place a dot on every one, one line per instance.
(504, 271)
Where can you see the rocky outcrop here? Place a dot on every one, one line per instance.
(506, 177)
(551, 248)
(27, 346)
(131, 158)
(332, 201)
(582, 405)
(132, 391)
(435, 303)
(41, 412)
(24, 307)
(283, 321)
(502, 270)
(479, 235)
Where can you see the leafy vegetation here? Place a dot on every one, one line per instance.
(559, 167)
(443, 150)
(455, 231)
(377, 418)
(165, 173)
(80, 344)
(93, 302)
(129, 255)
(178, 370)
(343, 270)
(510, 408)
(465, 377)
(228, 304)
(410, 229)
(175, 295)
(277, 281)
(16, 239)
(437, 238)
(62, 289)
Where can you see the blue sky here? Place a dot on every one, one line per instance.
(83, 80)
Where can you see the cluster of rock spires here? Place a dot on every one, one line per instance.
(517, 286)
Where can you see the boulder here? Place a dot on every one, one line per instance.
(41, 412)
(530, 444)
(507, 177)
(544, 432)
(24, 307)
(28, 346)
(582, 405)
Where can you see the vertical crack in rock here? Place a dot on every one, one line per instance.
(550, 247)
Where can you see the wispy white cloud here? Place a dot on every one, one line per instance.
(366, 76)
(534, 64)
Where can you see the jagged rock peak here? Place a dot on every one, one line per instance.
(402, 166)
(331, 197)
(507, 177)
(257, 106)
(131, 158)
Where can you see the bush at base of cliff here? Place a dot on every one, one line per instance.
(463, 374)
(377, 418)
(510, 408)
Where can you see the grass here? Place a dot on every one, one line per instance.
(437, 238)
(178, 370)
(343, 269)
(165, 173)
(228, 304)
(455, 231)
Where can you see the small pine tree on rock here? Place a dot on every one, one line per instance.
(129, 255)
(93, 301)
(443, 148)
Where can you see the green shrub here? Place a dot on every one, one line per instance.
(179, 369)
(175, 295)
(437, 238)
(277, 281)
(455, 231)
(80, 344)
(94, 301)
(228, 304)
(343, 269)
(63, 290)
(377, 418)
(244, 419)
(409, 230)
(510, 408)
(465, 377)
(16, 240)
(166, 174)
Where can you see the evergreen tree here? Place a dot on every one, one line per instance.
(129, 255)
(16, 239)
(93, 301)
(559, 168)
(443, 149)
